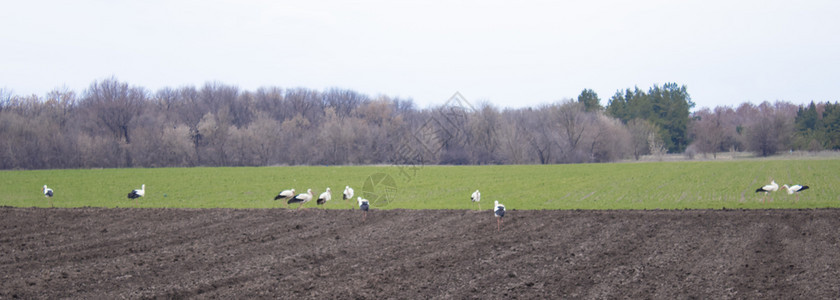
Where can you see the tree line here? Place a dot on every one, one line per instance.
(114, 125)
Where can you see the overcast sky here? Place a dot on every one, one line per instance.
(509, 53)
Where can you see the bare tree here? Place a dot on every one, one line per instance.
(713, 130)
(707, 130)
(296, 140)
(114, 125)
(657, 146)
(220, 97)
(513, 146)
(5, 99)
(640, 132)
(65, 105)
(304, 102)
(166, 102)
(539, 127)
(574, 122)
(336, 139)
(484, 126)
(770, 131)
(343, 101)
(610, 140)
(265, 134)
(214, 132)
(385, 127)
(114, 105)
(270, 100)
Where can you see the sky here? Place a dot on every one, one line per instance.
(507, 53)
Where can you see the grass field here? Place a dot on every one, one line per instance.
(651, 185)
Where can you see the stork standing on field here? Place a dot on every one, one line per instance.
(795, 189)
(48, 192)
(476, 197)
(137, 194)
(499, 211)
(364, 205)
(285, 194)
(301, 198)
(348, 193)
(772, 187)
(324, 197)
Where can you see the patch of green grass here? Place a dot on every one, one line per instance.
(659, 185)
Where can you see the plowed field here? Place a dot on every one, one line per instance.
(323, 254)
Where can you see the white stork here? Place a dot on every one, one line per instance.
(499, 210)
(795, 189)
(476, 197)
(285, 194)
(48, 192)
(772, 187)
(364, 205)
(348, 193)
(301, 198)
(324, 197)
(137, 194)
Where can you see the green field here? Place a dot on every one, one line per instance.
(652, 185)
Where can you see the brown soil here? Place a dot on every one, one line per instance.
(236, 254)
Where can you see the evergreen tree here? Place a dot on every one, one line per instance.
(617, 107)
(810, 134)
(831, 121)
(806, 118)
(590, 100)
(667, 107)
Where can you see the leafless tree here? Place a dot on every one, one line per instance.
(114, 125)
(539, 128)
(270, 100)
(513, 145)
(296, 140)
(707, 130)
(343, 101)
(640, 132)
(304, 102)
(574, 123)
(484, 126)
(610, 140)
(336, 139)
(657, 146)
(214, 132)
(114, 105)
(770, 131)
(64, 105)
